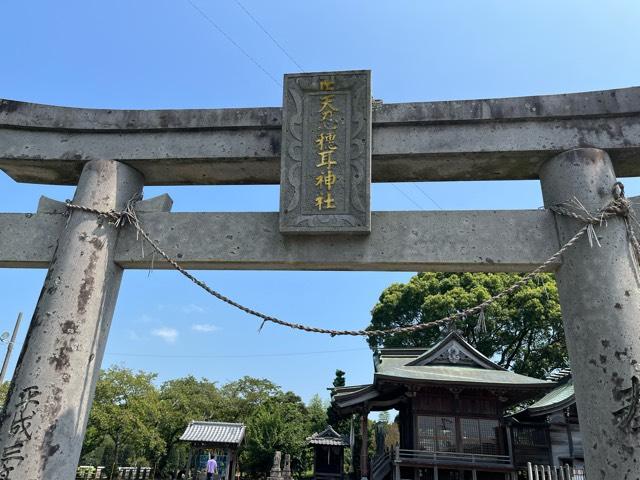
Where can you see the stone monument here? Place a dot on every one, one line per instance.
(276, 471)
(286, 471)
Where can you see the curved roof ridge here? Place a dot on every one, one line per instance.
(435, 351)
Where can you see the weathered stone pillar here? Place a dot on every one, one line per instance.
(600, 301)
(44, 421)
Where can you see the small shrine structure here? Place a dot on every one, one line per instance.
(451, 401)
(553, 422)
(219, 440)
(328, 454)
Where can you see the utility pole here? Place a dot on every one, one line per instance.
(7, 356)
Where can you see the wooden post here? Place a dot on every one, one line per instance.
(397, 462)
(364, 448)
(54, 380)
(600, 299)
(567, 416)
(508, 434)
(562, 477)
(232, 472)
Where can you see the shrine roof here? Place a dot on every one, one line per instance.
(464, 375)
(347, 396)
(557, 399)
(214, 432)
(453, 350)
(450, 362)
(328, 437)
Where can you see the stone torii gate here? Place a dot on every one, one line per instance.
(572, 143)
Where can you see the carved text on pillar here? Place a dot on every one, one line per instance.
(20, 430)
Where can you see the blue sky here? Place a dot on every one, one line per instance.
(167, 54)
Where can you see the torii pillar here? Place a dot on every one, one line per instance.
(44, 421)
(600, 302)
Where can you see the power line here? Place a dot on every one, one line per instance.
(266, 32)
(407, 196)
(255, 355)
(427, 195)
(233, 42)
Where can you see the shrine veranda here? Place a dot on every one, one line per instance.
(324, 151)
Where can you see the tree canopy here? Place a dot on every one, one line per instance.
(524, 330)
(124, 416)
(135, 422)
(4, 389)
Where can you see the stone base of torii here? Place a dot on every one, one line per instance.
(44, 420)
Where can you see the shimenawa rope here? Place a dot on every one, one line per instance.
(619, 207)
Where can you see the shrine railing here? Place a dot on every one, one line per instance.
(407, 456)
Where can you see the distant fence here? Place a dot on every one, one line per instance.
(124, 473)
(553, 472)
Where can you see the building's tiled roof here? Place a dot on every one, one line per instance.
(214, 432)
(451, 361)
(464, 364)
(348, 395)
(328, 437)
(460, 375)
(558, 398)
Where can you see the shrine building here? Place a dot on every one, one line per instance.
(554, 419)
(452, 403)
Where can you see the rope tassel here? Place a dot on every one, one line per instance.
(481, 326)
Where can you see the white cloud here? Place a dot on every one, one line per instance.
(169, 335)
(192, 308)
(204, 327)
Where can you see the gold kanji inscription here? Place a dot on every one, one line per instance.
(327, 85)
(326, 140)
(325, 201)
(327, 108)
(327, 179)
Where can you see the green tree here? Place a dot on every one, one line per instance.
(524, 330)
(4, 390)
(339, 424)
(279, 423)
(317, 414)
(181, 401)
(124, 413)
(243, 396)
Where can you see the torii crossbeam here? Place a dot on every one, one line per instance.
(572, 143)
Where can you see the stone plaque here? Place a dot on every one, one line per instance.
(326, 153)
